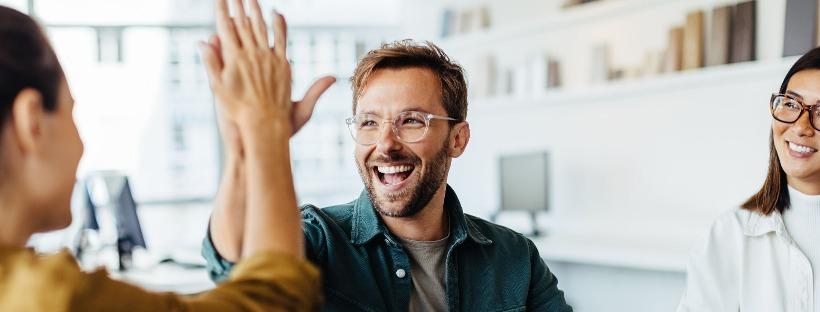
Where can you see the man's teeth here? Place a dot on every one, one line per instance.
(800, 148)
(394, 169)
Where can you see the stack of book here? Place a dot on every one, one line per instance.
(465, 20)
(730, 38)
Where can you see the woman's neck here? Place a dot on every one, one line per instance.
(803, 186)
(15, 227)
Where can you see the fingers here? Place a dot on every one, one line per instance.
(304, 109)
(243, 25)
(260, 30)
(280, 35)
(217, 45)
(225, 27)
(213, 63)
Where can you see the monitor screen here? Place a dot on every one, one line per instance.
(128, 223)
(524, 179)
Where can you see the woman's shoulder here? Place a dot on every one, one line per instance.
(20, 259)
(734, 227)
(742, 221)
(56, 274)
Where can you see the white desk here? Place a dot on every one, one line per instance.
(168, 277)
(645, 254)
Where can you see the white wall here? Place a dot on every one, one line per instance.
(647, 163)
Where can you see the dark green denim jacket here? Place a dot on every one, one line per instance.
(488, 267)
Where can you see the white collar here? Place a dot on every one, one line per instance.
(758, 224)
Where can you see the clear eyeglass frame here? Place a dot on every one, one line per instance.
(407, 126)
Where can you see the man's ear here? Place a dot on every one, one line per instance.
(27, 119)
(460, 138)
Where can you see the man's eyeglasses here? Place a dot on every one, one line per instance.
(408, 127)
(788, 108)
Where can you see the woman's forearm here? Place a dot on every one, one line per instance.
(227, 225)
(272, 221)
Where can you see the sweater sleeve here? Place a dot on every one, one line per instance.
(712, 274)
(266, 281)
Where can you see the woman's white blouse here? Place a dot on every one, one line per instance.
(748, 262)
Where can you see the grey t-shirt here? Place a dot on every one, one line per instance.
(427, 272)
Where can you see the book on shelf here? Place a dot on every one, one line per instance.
(509, 81)
(553, 73)
(521, 87)
(466, 21)
(540, 74)
(673, 58)
(744, 29)
(653, 63)
(486, 76)
(801, 27)
(693, 41)
(546, 74)
(717, 51)
(447, 20)
(484, 18)
(600, 64)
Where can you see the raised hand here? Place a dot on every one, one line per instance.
(246, 40)
(251, 82)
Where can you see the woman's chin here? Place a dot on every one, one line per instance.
(56, 219)
(795, 174)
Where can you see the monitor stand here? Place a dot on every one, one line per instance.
(533, 221)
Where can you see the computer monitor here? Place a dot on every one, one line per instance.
(524, 181)
(89, 210)
(112, 191)
(524, 184)
(129, 231)
(86, 217)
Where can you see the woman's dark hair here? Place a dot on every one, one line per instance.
(26, 61)
(774, 194)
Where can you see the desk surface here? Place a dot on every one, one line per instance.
(645, 254)
(168, 277)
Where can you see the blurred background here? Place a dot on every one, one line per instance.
(616, 130)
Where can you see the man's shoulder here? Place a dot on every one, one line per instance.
(496, 233)
(338, 214)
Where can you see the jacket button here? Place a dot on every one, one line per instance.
(400, 273)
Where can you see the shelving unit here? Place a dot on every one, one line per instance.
(626, 147)
(600, 94)
(571, 34)
(639, 167)
(560, 21)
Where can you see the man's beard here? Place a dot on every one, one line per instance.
(431, 179)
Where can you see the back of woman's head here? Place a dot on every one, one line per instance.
(26, 61)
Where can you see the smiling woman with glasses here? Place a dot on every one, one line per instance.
(408, 126)
(765, 256)
(788, 107)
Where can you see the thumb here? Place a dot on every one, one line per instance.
(303, 109)
(213, 64)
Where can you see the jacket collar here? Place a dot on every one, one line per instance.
(367, 224)
(758, 224)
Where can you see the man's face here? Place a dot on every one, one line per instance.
(400, 177)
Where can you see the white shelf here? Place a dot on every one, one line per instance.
(687, 80)
(561, 21)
